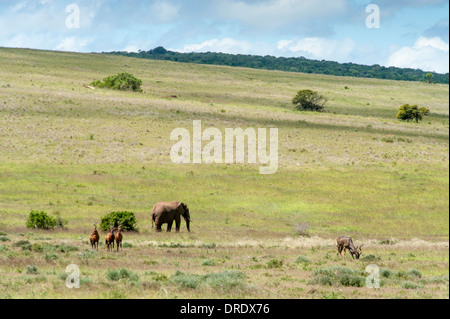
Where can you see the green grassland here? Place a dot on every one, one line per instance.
(352, 170)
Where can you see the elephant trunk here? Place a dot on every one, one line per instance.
(188, 225)
(187, 218)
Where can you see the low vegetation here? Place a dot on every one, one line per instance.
(126, 219)
(409, 113)
(41, 220)
(122, 81)
(308, 100)
(353, 170)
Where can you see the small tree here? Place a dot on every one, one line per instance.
(126, 219)
(308, 100)
(121, 81)
(40, 220)
(429, 78)
(409, 113)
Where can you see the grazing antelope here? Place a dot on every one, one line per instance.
(109, 238)
(343, 243)
(118, 236)
(94, 238)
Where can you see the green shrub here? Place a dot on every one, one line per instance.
(41, 220)
(4, 238)
(302, 259)
(187, 280)
(59, 221)
(50, 256)
(2, 233)
(225, 280)
(126, 219)
(339, 276)
(122, 274)
(413, 112)
(410, 285)
(274, 263)
(37, 248)
(414, 273)
(86, 255)
(208, 262)
(121, 81)
(352, 281)
(308, 100)
(325, 280)
(66, 248)
(33, 270)
(386, 273)
(24, 244)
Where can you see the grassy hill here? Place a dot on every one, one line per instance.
(300, 64)
(353, 170)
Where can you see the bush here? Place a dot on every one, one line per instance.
(122, 274)
(337, 275)
(225, 280)
(126, 219)
(352, 281)
(208, 262)
(121, 81)
(410, 113)
(4, 238)
(386, 273)
(274, 263)
(410, 285)
(414, 273)
(302, 259)
(24, 244)
(41, 220)
(308, 100)
(33, 270)
(187, 280)
(302, 229)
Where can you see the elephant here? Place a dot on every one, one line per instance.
(167, 213)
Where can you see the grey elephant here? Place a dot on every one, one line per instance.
(169, 212)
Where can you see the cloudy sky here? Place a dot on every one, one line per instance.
(412, 33)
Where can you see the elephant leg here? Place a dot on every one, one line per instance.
(169, 226)
(178, 224)
(158, 224)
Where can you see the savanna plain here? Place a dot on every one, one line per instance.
(352, 170)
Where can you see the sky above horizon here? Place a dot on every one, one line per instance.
(411, 34)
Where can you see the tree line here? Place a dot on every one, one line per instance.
(299, 64)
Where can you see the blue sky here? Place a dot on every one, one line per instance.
(412, 33)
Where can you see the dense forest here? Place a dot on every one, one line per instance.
(300, 64)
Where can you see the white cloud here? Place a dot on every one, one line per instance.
(226, 45)
(276, 14)
(73, 44)
(319, 48)
(428, 54)
(165, 11)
